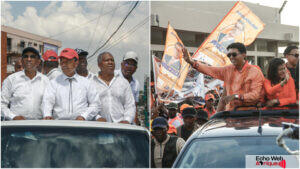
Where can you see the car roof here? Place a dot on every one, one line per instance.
(71, 124)
(236, 124)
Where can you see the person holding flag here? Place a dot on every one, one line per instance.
(244, 83)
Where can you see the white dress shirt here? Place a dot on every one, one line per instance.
(24, 95)
(134, 85)
(58, 103)
(117, 100)
(54, 73)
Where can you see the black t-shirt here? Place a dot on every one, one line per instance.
(185, 134)
(293, 72)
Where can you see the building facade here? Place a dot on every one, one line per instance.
(13, 41)
(194, 21)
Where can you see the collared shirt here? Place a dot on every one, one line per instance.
(54, 73)
(117, 100)
(24, 95)
(90, 75)
(247, 82)
(160, 147)
(134, 85)
(82, 100)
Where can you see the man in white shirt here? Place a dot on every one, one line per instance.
(23, 90)
(70, 96)
(82, 64)
(115, 93)
(51, 64)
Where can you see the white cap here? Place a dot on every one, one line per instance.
(131, 55)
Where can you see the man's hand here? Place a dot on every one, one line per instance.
(124, 121)
(186, 56)
(19, 118)
(271, 103)
(101, 119)
(48, 118)
(80, 118)
(228, 99)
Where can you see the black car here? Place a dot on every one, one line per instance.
(225, 140)
(73, 144)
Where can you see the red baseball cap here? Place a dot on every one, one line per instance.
(50, 55)
(69, 53)
(209, 96)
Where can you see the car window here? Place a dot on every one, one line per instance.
(76, 147)
(229, 152)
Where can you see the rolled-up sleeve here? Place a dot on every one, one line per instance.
(48, 100)
(129, 105)
(255, 88)
(215, 72)
(5, 99)
(94, 103)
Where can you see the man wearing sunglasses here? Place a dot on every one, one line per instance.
(70, 96)
(51, 64)
(292, 54)
(244, 82)
(128, 68)
(24, 90)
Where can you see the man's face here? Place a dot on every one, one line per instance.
(82, 64)
(68, 66)
(128, 67)
(201, 121)
(291, 57)
(172, 112)
(209, 103)
(189, 121)
(107, 64)
(160, 134)
(236, 58)
(30, 61)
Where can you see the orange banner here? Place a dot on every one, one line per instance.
(173, 69)
(239, 25)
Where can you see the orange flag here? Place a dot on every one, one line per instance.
(173, 69)
(239, 25)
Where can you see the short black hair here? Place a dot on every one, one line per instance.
(239, 46)
(289, 49)
(272, 74)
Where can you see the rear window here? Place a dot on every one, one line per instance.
(73, 147)
(229, 152)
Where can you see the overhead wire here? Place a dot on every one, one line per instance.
(115, 30)
(99, 18)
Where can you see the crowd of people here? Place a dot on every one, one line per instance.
(39, 91)
(245, 88)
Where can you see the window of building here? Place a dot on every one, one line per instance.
(9, 45)
(41, 48)
(22, 44)
(29, 44)
(34, 44)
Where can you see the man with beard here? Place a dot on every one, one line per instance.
(117, 100)
(82, 64)
(51, 64)
(70, 96)
(164, 148)
(189, 119)
(23, 90)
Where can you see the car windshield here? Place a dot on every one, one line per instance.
(230, 152)
(73, 147)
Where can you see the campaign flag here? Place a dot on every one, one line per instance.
(173, 69)
(239, 25)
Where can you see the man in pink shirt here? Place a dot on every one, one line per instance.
(244, 82)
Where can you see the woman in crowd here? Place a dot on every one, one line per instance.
(279, 86)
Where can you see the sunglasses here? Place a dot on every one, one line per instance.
(232, 54)
(130, 65)
(31, 56)
(295, 55)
